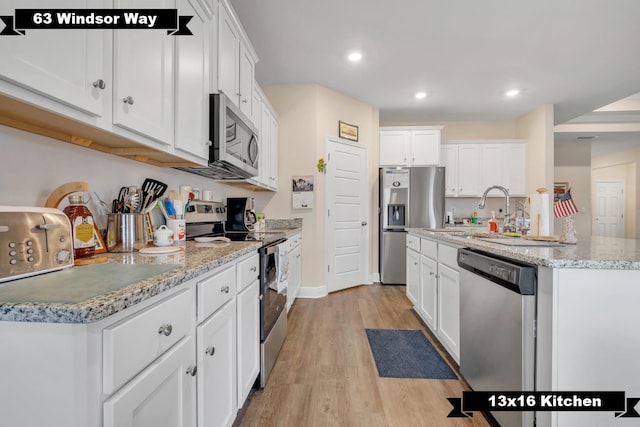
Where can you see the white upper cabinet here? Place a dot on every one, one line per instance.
(69, 66)
(267, 125)
(236, 61)
(192, 83)
(414, 146)
(143, 77)
(473, 167)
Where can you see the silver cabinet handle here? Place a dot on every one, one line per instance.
(431, 273)
(254, 269)
(192, 370)
(100, 84)
(244, 100)
(128, 100)
(165, 330)
(210, 350)
(224, 289)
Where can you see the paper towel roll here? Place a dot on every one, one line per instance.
(539, 211)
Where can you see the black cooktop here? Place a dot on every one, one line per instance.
(202, 229)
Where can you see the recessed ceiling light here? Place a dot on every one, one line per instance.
(421, 95)
(512, 92)
(355, 56)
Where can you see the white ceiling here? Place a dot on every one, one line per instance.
(578, 55)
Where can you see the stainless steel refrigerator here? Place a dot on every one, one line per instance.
(409, 198)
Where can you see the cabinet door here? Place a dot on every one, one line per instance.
(449, 159)
(216, 356)
(273, 154)
(265, 146)
(62, 64)
(192, 83)
(246, 80)
(413, 277)
(425, 147)
(515, 161)
(449, 309)
(394, 145)
(428, 291)
(248, 352)
(228, 56)
(469, 170)
(143, 77)
(295, 265)
(163, 395)
(492, 166)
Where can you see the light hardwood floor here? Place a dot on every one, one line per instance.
(325, 374)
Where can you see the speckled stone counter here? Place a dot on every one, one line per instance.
(592, 253)
(193, 260)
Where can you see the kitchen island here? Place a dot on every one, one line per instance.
(586, 314)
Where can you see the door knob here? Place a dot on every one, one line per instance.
(128, 100)
(100, 84)
(364, 223)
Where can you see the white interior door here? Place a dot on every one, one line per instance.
(609, 219)
(347, 202)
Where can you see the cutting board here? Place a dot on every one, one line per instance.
(78, 284)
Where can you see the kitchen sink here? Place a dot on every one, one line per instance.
(511, 241)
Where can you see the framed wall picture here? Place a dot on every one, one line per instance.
(559, 188)
(347, 131)
(302, 192)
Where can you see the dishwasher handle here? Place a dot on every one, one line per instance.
(519, 277)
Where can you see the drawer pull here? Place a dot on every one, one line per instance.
(210, 350)
(254, 269)
(165, 330)
(225, 290)
(192, 371)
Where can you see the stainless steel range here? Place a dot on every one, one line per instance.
(206, 219)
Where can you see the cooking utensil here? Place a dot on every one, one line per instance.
(153, 186)
(133, 200)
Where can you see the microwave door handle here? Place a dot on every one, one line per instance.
(254, 143)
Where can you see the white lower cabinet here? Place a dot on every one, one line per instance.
(295, 269)
(449, 309)
(413, 276)
(248, 344)
(428, 291)
(433, 285)
(216, 357)
(177, 359)
(163, 395)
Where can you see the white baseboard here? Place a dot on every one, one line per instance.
(312, 292)
(374, 278)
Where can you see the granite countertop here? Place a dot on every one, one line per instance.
(596, 252)
(98, 291)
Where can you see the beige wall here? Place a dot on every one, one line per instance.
(620, 166)
(573, 165)
(469, 130)
(307, 114)
(537, 128)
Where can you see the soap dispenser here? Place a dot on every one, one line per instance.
(493, 223)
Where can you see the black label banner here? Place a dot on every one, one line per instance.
(613, 401)
(141, 19)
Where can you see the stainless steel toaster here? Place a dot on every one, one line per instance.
(32, 241)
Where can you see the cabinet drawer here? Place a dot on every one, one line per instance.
(248, 271)
(413, 242)
(448, 255)
(429, 248)
(215, 291)
(133, 343)
(295, 240)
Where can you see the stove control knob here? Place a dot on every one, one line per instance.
(63, 256)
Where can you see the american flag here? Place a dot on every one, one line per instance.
(565, 206)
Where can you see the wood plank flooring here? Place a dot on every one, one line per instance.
(325, 374)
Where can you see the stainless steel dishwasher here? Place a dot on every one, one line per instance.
(497, 327)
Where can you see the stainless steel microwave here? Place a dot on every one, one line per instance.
(233, 153)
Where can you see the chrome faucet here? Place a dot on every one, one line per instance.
(508, 225)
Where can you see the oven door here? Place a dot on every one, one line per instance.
(272, 302)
